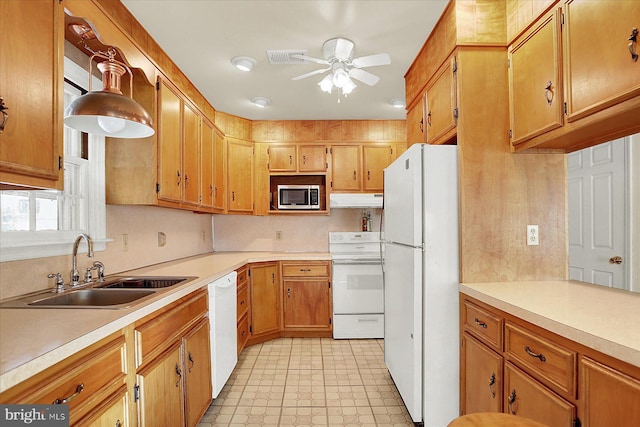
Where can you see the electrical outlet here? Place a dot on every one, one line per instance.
(278, 235)
(533, 238)
(125, 242)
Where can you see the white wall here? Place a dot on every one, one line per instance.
(634, 181)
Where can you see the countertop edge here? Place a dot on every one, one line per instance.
(581, 336)
(228, 261)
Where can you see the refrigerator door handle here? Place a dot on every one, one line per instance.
(420, 246)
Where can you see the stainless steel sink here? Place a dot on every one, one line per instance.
(94, 298)
(142, 282)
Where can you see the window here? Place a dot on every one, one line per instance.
(41, 223)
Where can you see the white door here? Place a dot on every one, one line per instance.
(596, 194)
(403, 323)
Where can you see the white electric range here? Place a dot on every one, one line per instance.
(358, 294)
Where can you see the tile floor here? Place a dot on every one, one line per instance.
(309, 382)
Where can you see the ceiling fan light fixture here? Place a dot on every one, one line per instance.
(243, 63)
(348, 87)
(260, 101)
(326, 84)
(398, 102)
(108, 112)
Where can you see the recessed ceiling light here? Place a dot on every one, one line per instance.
(261, 102)
(243, 63)
(398, 102)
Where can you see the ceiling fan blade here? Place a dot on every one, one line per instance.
(311, 73)
(310, 59)
(364, 76)
(372, 60)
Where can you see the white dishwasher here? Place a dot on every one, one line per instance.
(224, 337)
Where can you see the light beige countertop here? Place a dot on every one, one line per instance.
(601, 318)
(33, 339)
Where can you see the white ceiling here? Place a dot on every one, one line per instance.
(201, 36)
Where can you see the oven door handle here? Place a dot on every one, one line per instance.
(356, 262)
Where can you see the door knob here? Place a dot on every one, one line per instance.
(615, 260)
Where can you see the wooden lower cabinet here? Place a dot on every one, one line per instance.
(114, 412)
(243, 307)
(264, 283)
(481, 384)
(526, 397)
(306, 295)
(609, 397)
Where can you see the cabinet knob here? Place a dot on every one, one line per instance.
(633, 39)
(5, 115)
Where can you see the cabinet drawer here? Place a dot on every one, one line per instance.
(485, 325)
(152, 334)
(553, 364)
(243, 301)
(305, 269)
(527, 398)
(242, 276)
(243, 332)
(81, 381)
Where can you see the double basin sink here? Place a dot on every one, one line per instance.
(114, 293)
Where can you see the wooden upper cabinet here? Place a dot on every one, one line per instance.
(169, 128)
(441, 110)
(346, 168)
(282, 158)
(415, 124)
(312, 158)
(375, 159)
(239, 176)
(31, 84)
(191, 155)
(600, 69)
(535, 80)
(219, 171)
(522, 13)
(207, 160)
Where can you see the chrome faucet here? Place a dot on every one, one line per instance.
(75, 275)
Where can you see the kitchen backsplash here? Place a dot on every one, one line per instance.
(298, 233)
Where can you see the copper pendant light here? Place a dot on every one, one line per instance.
(108, 112)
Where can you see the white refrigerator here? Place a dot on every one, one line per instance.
(421, 273)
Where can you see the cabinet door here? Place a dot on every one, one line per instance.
(600, 69)
(528, 398)
(161, 385)
(307, 304)
(312, 158)
(376, 158)
(219, 171)
(345, 168)
(440, 104)
(114, 412)
(415, 123)
(169, 128)
(482, 378)
(535, 80)
(610, 398)
(197, 359)
(207, 147)
(282, 158)
(31, 36)
(265, 303)
(191, 156)
(240, 176)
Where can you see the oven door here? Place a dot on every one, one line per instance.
(357, 287)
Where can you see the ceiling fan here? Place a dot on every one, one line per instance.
(338, 57)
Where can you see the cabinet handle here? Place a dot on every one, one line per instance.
(480, 323)
(233, 196)
(492, 381)
(210, 190)
(290, 160)
(242, 302)
(633, 39)
(536, 355)
(215, 191)
(243, 332)
(512, 399)
(5, 115)
(422, 125)
(289, 293)
(273, 278)
(548, 92)
(118, 423)
(354, 175)
(192, 362)
(179, 373)
(429, 118)
(304, 160)
(186, 180)
(68, 399)
(305, 270)
(368, 175)
(179, 178)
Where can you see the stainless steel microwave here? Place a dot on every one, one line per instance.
(298, 197)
